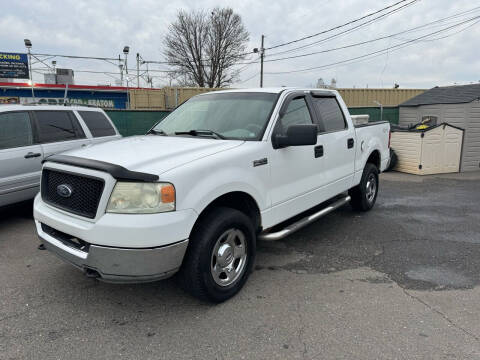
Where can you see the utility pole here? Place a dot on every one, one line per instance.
(28, 45)
(262, 55)
(138, 70)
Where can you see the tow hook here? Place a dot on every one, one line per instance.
(41, 247)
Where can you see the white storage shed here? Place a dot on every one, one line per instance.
(456, 105)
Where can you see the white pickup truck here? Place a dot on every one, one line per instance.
(193, 196)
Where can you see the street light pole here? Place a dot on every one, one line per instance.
(126, 50)
(138, 70)
(28, 45)
(381, 109)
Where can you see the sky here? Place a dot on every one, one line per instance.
(102, 28)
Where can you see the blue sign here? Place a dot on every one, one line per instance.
(13, 66)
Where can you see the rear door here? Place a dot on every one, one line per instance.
(20, 158)
(338, 141)
(58, 131)
(99, 125)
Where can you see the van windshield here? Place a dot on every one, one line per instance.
(236, 115)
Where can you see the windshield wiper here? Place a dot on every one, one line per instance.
(157, 132)
(201, 132)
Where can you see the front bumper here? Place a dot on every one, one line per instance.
(112, 264)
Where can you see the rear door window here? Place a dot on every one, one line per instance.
(97, 123)
(329, 113)
(15, 130)
(54, 126)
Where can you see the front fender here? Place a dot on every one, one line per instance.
(218, 183)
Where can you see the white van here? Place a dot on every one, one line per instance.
(30, 133)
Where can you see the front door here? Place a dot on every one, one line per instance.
(296, 171)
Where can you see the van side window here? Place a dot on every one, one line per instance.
(296, 114)
(330, 113)
(15, 130)
(57, 126)
(97, 123)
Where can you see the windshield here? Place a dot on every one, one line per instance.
(241, 116)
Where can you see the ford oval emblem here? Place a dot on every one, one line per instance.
(64, 190)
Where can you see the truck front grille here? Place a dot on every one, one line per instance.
(80, 195)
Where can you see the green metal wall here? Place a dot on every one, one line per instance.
(135, 122)
(138, 122)
(389, 113)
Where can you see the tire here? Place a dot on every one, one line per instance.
(220, 255)
(393, 160)
(365, 194)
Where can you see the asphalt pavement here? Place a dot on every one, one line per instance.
(398, 282)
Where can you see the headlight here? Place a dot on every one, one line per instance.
(141, 198)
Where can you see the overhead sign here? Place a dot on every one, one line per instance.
(13, 66)
(102, 103)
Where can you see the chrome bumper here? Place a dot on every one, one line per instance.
(120, 265)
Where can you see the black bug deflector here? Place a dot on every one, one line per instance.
(117, 171)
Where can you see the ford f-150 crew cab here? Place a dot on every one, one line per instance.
(193, 195)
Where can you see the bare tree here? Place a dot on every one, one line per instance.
(203, 48)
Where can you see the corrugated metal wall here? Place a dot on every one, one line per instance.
(387, 97)
(162, 99)
(170, 97)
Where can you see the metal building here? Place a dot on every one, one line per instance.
(456, 105)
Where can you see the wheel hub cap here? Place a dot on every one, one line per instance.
(229, 257)
(224, 255)
(371, 187)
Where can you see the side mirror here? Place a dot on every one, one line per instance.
(297, 135)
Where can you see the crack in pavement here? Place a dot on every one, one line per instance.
(443, 315)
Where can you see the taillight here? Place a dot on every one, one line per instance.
(389, 138)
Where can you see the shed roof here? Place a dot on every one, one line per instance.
(457, 94)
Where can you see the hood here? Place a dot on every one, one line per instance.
(154, 154)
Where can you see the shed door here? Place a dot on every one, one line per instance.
(453, 149)
(433, 152)
(441, 150)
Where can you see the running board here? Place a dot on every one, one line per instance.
(290, 229)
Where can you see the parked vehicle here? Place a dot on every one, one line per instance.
(224, 169)
(29, 134)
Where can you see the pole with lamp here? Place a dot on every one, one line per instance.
(381, 109)
(126, 50)
(28, 45)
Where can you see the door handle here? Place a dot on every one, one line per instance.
(350, 143)
(318, 150)
(32, 155)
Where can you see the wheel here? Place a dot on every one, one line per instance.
(220, 255)
(364, 194)
(393, 160)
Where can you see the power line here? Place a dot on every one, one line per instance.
(343, 25)
(355, 44)
(376, 53)
(347, 31)
(77, 57)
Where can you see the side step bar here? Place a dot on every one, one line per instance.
(290, 229)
